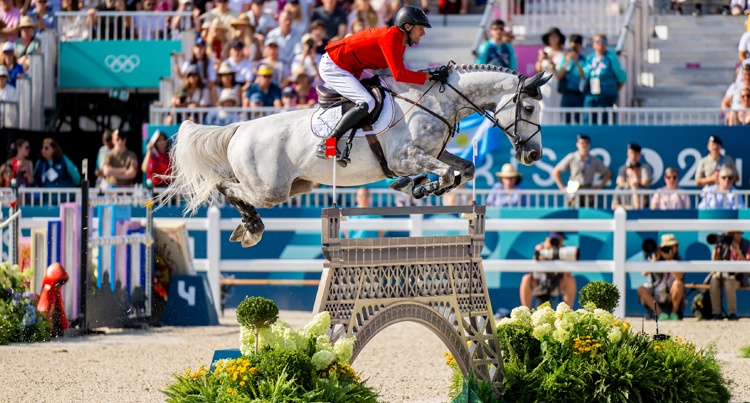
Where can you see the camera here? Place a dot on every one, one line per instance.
(719, 239)
(310, 43)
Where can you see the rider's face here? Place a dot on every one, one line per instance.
(417, 33)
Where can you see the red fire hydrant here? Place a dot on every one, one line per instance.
(50, 299)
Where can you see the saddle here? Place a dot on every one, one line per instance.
(329, 98)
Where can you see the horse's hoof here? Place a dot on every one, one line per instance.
(251, 239)
(238, 234)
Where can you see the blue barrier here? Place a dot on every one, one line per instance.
(189, 303)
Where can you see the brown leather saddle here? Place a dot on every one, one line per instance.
(329, 98)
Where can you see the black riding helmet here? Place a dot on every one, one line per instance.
(413, 16)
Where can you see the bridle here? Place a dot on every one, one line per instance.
(515, 138)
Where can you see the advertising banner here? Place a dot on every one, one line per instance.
(115, 64)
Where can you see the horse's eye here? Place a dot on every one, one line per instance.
(528, 108)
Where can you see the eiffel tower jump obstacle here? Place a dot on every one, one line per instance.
(369, 284)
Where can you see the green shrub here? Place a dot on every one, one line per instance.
(602, 294)
(271, 363)
(257, 313)
(19, 319)
(745, 352)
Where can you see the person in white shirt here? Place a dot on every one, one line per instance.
(220, 116)
(285, 37)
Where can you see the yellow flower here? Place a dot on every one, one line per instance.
(187, 373)
(242, 383)
(244, 378)
(229, 390)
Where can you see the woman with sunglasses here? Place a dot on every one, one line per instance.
(604, 77)
(669, 196)
(54, 169)
(743, 116)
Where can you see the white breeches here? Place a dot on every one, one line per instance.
(344, 83)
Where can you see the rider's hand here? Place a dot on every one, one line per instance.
(440, 74)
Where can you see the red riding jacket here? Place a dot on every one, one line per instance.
(375, 48)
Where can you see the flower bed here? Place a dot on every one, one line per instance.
(280, 365)
(19, 319)
(589, 355)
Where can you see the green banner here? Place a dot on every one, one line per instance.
(115, 64)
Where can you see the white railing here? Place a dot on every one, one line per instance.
(122, 25)
(416, 225)
(385, 197)
(9, 114)
(571, 116)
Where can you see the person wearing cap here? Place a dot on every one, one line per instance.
(200, 59)
(241, 66)
(722, 195)
(505, 193)
(548, 283)
(225, 81)
(26, 44)
(288, 98)
(604, 77)
(496, 50)
(263, 92)
(375, 48)
(549, 60)
(732, 98)
(628, 196)
(571, 75)
(666, 289)
(220, 116)
(262, 22)
(10, 61)
(709, 166)
(583, 168)
(156, 161)
(669, 197)
(634, 155)
(282, 71)
(737, 250)
(8, 93)
(243, 32)
(285, 37)
(120, 165)
(333, 18)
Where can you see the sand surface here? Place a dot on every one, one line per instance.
(404, 362)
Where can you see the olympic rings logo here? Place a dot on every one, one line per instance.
(122, 63)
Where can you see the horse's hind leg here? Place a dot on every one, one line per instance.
(251, 229)
(418, 161)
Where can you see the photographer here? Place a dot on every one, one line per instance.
(545, 285)
(730, 246)
(667, 289)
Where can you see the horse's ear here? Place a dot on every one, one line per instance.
(544, 80)
(532, 82)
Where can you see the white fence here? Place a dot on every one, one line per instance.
(416, 225)
(122, 25)
(385, 197)
(570, 116)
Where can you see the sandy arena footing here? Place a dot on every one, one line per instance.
(404, 363)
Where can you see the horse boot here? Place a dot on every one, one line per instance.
(350, 119)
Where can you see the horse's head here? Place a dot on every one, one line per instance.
(518, 116)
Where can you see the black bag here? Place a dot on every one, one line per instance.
(701, 305)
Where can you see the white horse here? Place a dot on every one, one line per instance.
(266, 161)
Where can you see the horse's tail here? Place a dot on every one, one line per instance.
(198, 163)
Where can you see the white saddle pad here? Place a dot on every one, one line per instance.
(324, 120)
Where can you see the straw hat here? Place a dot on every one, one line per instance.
(242, 21)
(26, 22)
(227, 94)
(668, 240)
(509, 171)
(224, 69)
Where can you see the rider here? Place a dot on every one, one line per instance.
(374, 48)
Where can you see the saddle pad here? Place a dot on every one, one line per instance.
(324, 120)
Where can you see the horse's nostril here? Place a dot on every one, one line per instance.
(534, 155)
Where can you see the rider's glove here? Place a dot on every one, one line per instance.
(440, 74)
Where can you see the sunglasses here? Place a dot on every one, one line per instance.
(725, 177)
(670, 177)
(600, 41)
(267, 76)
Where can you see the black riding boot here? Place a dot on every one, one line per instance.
(347, 122)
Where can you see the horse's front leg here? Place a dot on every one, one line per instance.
(464, 167)
(416, 160)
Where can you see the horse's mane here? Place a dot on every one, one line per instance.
(486, 67)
